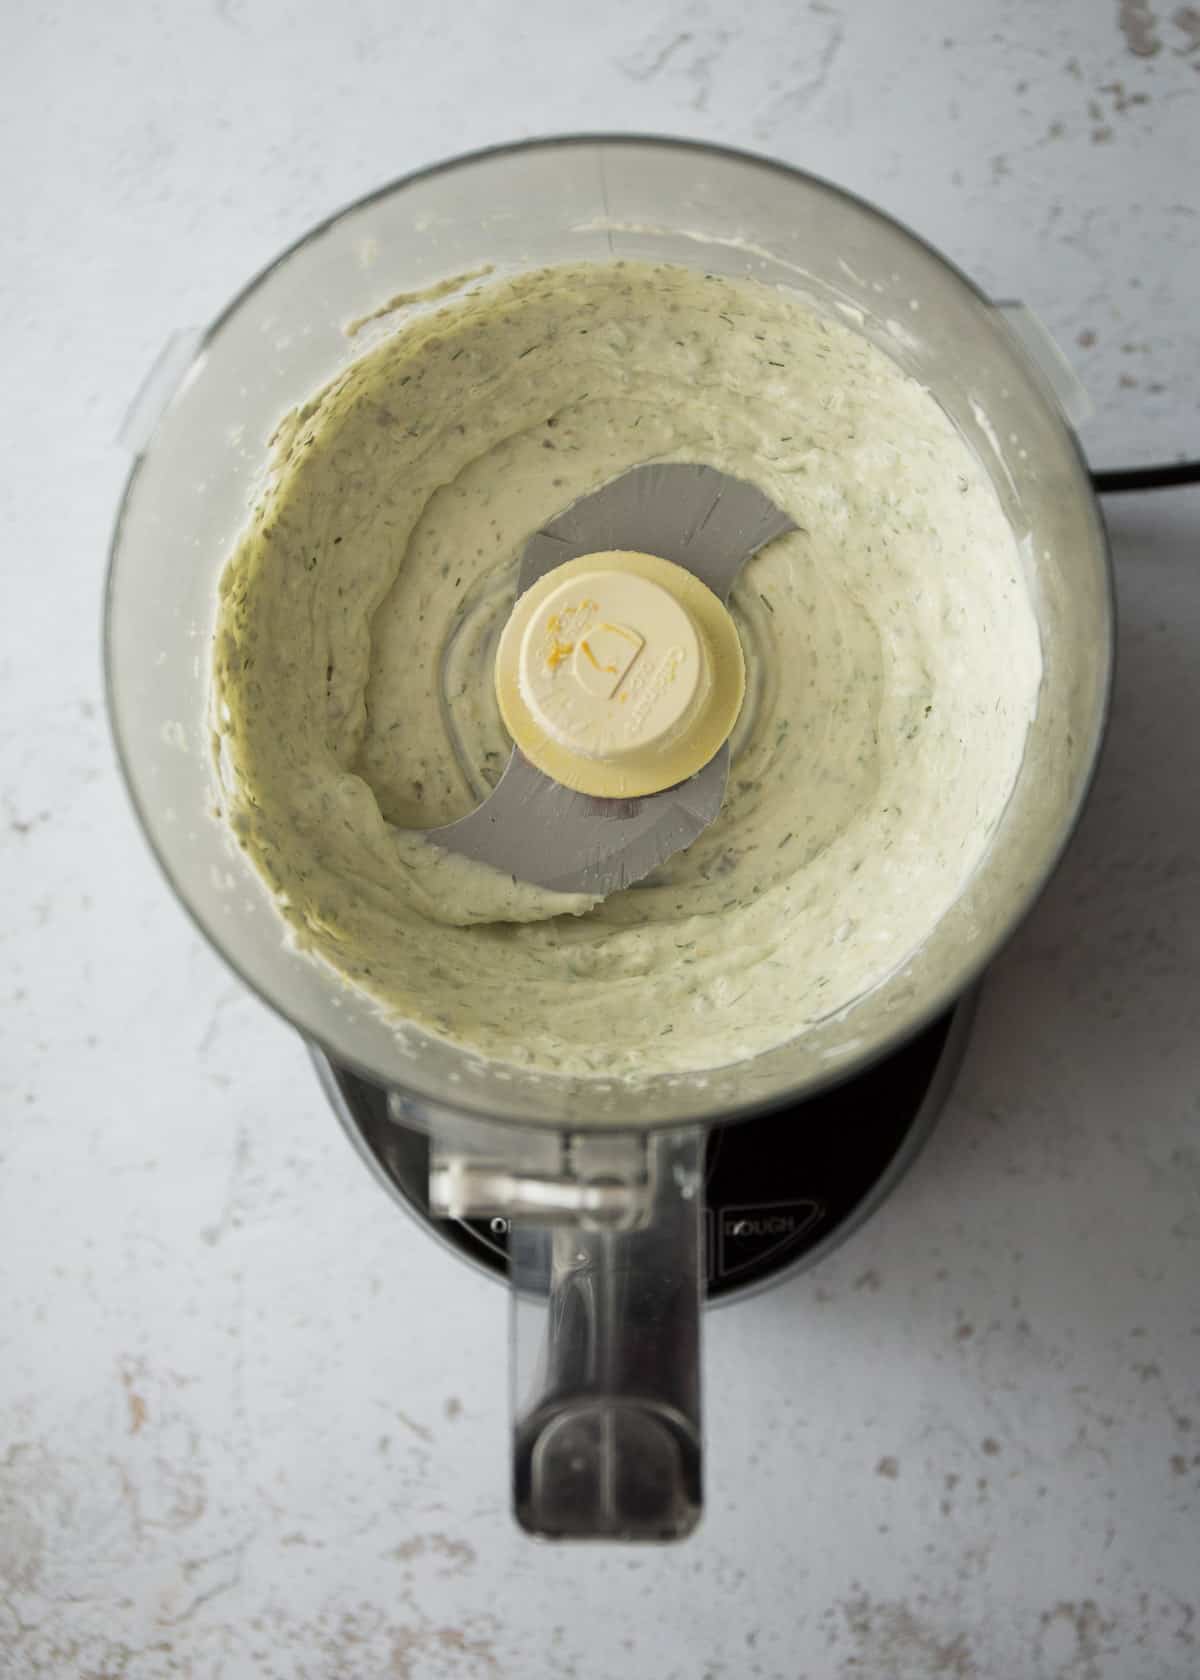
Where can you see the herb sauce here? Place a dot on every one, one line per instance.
(892, 652)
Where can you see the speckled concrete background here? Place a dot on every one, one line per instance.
(251, 1422)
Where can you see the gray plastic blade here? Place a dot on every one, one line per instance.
(532, 827)
(694, 515)
(536, 830)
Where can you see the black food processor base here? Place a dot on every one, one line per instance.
(781, 1191)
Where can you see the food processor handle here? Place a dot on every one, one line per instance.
(606, 1359)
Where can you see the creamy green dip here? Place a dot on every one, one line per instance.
(891, 646)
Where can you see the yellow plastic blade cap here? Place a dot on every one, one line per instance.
(619, 674)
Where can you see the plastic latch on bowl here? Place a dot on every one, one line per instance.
(1047, 354)
(171, 367)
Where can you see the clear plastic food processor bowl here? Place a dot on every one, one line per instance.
(601, 1180)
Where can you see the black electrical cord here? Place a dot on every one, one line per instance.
(1165, 476)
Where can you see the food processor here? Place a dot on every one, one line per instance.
(614, 1207)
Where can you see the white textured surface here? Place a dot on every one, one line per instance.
(251, 1421)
